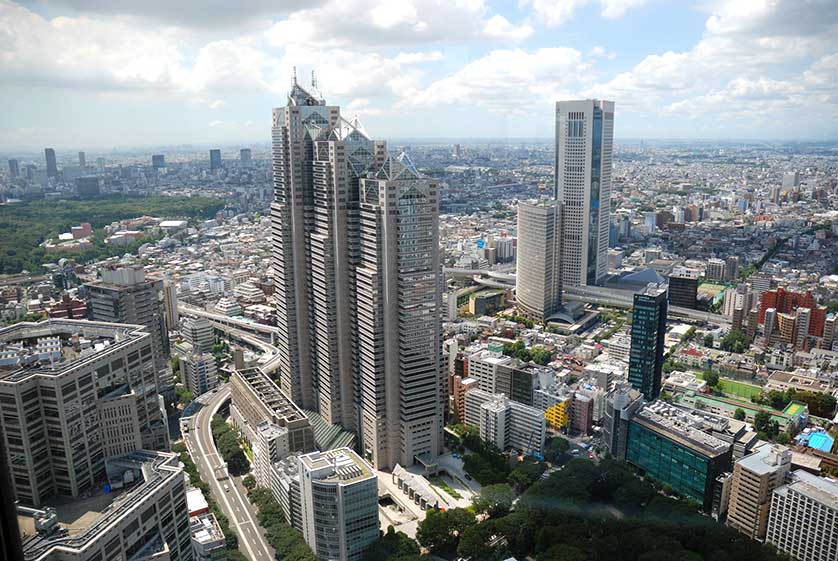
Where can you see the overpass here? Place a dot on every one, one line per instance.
(625, 299)
(231, 322)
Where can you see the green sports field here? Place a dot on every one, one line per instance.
(741, 389)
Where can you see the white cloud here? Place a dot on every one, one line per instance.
(498, 27)
(508, 80)
(558, 12)
(417, 58)
(368, 23)
(602, 52)
(615, 9)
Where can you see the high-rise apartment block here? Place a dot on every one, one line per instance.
(339, 500)
(584, 140)
(539, 279)
(52, 165)
(82, 162)
(754, 478)
(245, 156)
(620, 406)
(158, 161)
(715, 269)
(14, 169)
(648, 329)
(215, 159)
(357, 281)
(199, 333)
(803, 521)
(73, 394)
(787, 302)
(127, 296)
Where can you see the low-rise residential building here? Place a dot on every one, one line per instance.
(207, 538)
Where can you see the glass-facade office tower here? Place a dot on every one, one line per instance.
(539, 281)
(648, 328)
(584, 139)
(52, 166)
(215, 159)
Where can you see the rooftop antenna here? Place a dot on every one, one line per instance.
(313, 80)
(295, 75)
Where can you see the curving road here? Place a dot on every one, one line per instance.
(233, 502)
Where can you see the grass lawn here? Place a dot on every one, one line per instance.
(740, 389)
(445, 487)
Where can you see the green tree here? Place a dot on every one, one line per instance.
(541, 356)
(708, 340)
(249, 482)
(494, 500)
(556, 450)
(712, 378)
(440, 531)
(562, 552)
(739, 414)
(393, 546)
(527, 472)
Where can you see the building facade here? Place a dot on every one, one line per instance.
(584, 141)
(339, 499)
(648, 329)
(538, 290)
(91, 386)
(803, 521)
(754, 478)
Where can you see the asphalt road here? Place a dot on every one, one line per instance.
(233, 502)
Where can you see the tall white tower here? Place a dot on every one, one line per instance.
(584, 140)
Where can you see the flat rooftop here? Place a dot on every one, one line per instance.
(271, 395)
(51, 346)
(681, 426)
(819, 489)
(342, 465)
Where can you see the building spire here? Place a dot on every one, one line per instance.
(313, 80)
(295, 75)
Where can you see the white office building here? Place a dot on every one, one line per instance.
(339, 499)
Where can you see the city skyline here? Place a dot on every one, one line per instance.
(718, 70)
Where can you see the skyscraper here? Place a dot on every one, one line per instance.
(244, 156)
(648, 328)
(399, 316)
(82, 162)
(52, 166)
(337, 251)
(215, 159)
(158, 161)
(754, 477)
(14, 169)
(539, 281)
(584, 138)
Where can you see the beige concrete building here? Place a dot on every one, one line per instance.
(754, 478)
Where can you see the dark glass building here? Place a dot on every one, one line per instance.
(664, 444)
(683, 288)
(52, 166)
(648, 327)
(158, 161)
(215, 159)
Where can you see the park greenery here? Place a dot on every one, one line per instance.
(586, 511)
(227, 442)
(736, 341)
(24, 226)
(537, 354)
(288, 542)
(820, 404)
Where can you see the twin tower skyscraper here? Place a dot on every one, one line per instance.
(563, 241)
(357, 282)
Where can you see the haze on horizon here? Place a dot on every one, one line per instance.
(87, 73)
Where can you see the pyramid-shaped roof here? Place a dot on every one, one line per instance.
(398, 167)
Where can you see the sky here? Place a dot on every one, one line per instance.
(122, 73)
